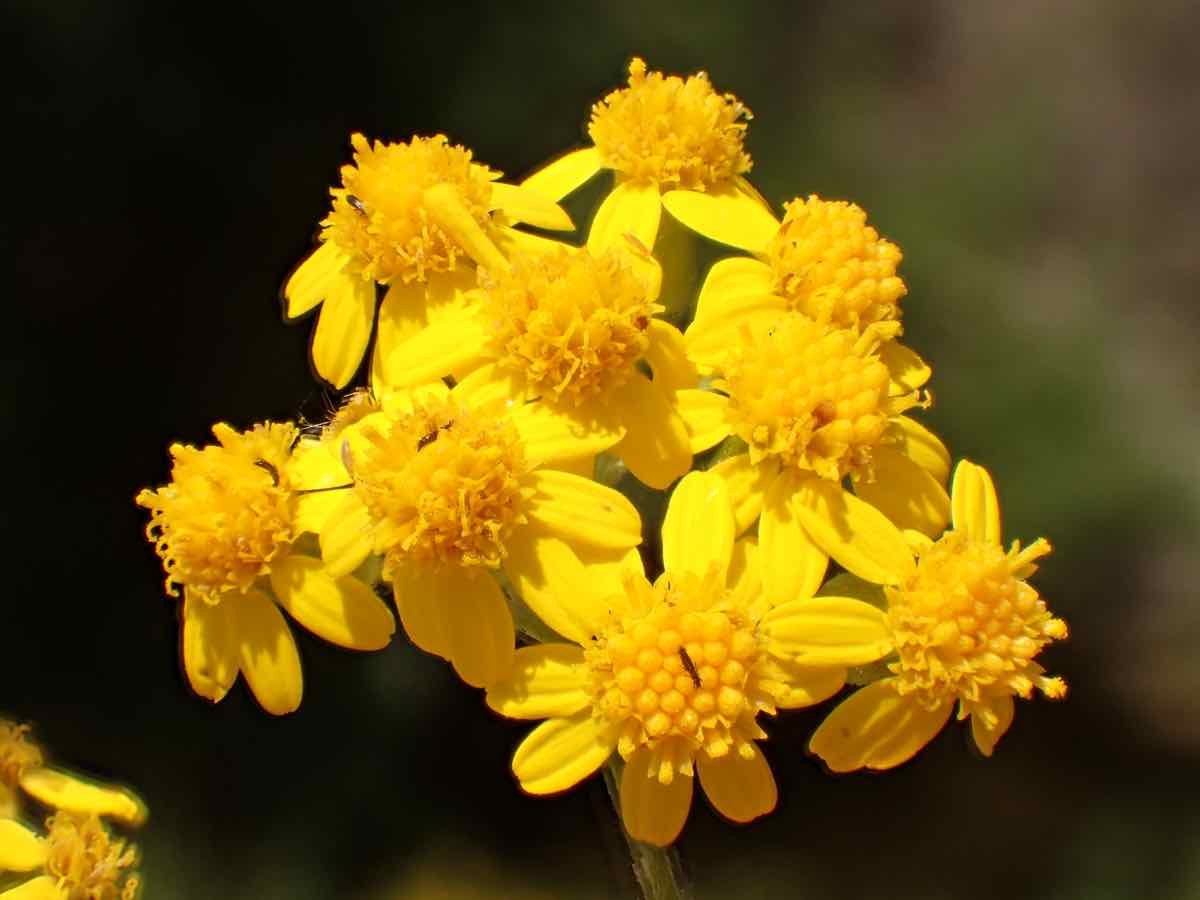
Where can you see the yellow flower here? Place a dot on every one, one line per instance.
(415, 217)
(455, 489)
(22, 766)
(226, 529)
(966, 626)
(571, 326)
(672, 142)
(78, 859)
(815, 405)
(824, 261)
(672, 675)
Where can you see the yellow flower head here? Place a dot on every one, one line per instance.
(227, 513)
(87, 862)
(830, 265)
(571, 323)
(966, 627)
(381, 216)
(813, 397)
(678, 133)
(18, 753)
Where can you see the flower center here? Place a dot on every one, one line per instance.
(684, 669)
(442, 484)
(832, 266)
(572, 323)
(18, 753)
(675, 132)
(813, 396)
(89, 863)
(227, 512)
(967, 626)
(380, 216)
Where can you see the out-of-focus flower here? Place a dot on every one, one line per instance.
(78, 859)
(672, 142)
(226, 527)
(416, 217)
(966, 627)
(673, 675)
(454, 488)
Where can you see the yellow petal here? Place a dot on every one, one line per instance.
(631, 210)
(710, 339)
(653, 812)
(421, 599)
(445, 206)
(845, 584)
(985, 736)
(314, 511)
(346, 536)
(41, 888)
(564, 175)
(479, 626)
(343, 329)
(267, 652)
(512, 241)
(827, 631)
(801, 685)
(907, 370)
(667, 356)
(451, 344)
(490, 384)
(555, 585)
(698, 529)
(449, 294)
(793, 565)
(209, 646)
(923, 447)
(560, 753)
(976, 509)
(21, 850)
(401, 315)
(739, 789)
(876, 728)
(81, 796)
(522, 204)
(656, 447)
(726, 216)
(578, 509)
(548, 435)
(546, 681)
(703, 412)
(745, 571)
(730, 279)
(747, 484)
(853, 532)
(906, 493)
(310, 283)
(342, 610)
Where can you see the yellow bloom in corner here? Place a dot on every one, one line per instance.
(455, 489)
(415, 217)
(823, 261)
(816, 405)
(966, 627)
(226, 528)
(78, 859)
(571, 327)
(672, 142)
(672, 676)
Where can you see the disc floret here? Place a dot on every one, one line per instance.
(87, 862)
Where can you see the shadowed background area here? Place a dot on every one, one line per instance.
(1035, 165)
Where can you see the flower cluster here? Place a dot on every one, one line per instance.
(814, 534)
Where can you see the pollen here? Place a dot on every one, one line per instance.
(227, 512)
(830, 264)
(674, 132)
(968, 627)
(442, 485)
(18, 752)
(379, 215)
(681, 676)
(88, 862)
(571, 323)
(813, 396)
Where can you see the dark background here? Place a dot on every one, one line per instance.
(167, 166)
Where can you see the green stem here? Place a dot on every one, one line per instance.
(658, 870)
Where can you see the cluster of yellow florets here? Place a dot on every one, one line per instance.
(515, 379)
